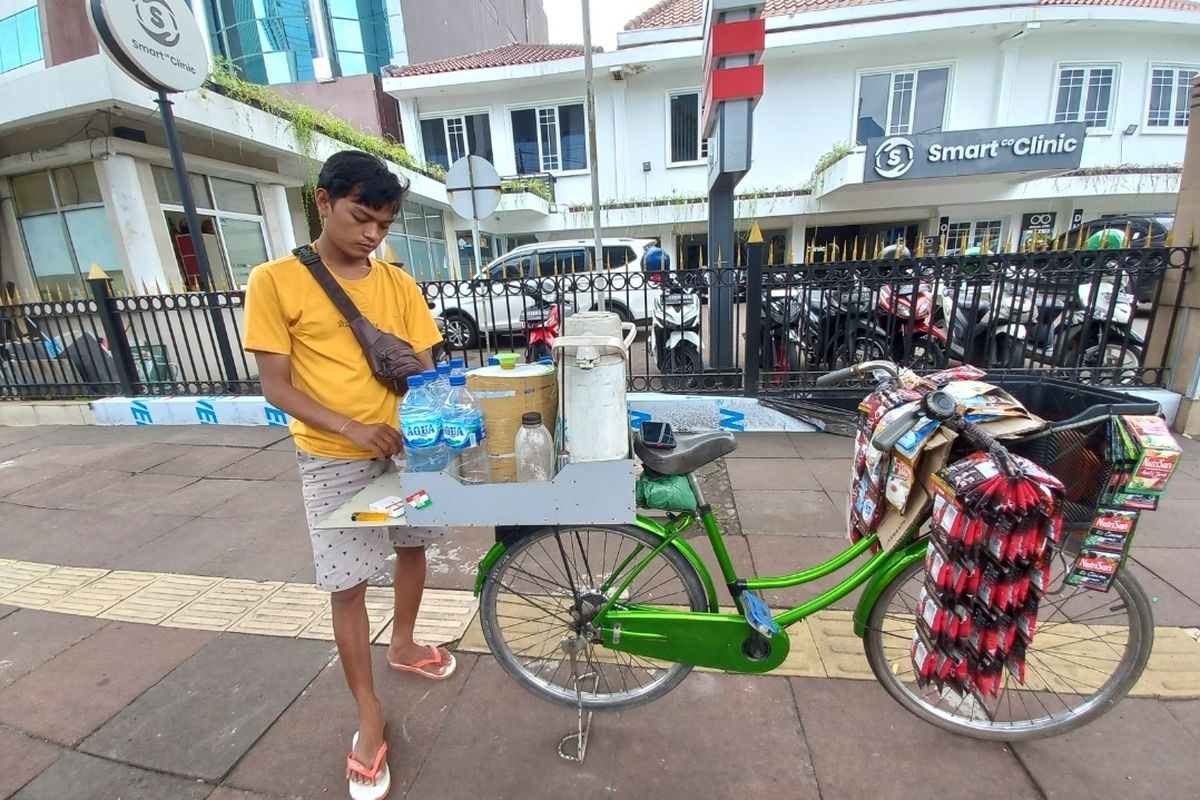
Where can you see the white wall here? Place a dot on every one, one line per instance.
(808, 105)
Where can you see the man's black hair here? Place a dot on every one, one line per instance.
(353, 173)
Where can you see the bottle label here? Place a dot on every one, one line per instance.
(421, 433)
(460, 434)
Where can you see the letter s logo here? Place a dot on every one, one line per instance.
(894, 157)
(158, 21)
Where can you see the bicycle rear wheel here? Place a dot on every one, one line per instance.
(1089, 651)
(547, 588)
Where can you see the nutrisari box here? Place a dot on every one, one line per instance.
(1159, 454)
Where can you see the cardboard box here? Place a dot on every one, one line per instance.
(1159, 454)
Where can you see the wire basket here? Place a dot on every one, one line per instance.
(1078, 455)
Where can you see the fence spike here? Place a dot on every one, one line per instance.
(1150, 236)
(1079, 239)
(791, 254)
(1128, 234)
(836, 252)
(770, 256)
(1007, 246)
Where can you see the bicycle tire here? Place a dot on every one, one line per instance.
(530, 673)
(1129, 668)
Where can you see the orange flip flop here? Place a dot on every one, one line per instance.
(379, 784)
(436, 660)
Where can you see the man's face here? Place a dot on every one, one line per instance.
(354, 228)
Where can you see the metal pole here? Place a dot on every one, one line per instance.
(487, 325)
(185, 192)
(197, 237)
(591, 115)
(753, 346)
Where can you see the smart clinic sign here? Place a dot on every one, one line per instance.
(155, 42)
(979, 152)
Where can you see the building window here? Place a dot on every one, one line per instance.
(231, 225)
(1085, 94)
(550, 139)
(359, 30)
(686, 145)
(20, 40)
(1169, 96)
(270, 42)
(65, 228)
(984, 233)
(447, 139)
(901, 103)
(417, 242)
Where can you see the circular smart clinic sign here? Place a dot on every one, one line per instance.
(156, 42)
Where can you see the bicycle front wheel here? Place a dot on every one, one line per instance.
(1089, 651)
(539, 601)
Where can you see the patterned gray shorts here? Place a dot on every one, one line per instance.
(346, 557)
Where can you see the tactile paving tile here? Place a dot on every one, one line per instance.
(840, 650)
(1174, 667)
(380, 605)
(223, 605)
(158, 600)
(103, 593)
(15, 575)
(53, 587)
(287, 612)
(444, 616)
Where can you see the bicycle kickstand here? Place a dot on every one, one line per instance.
(582, 727)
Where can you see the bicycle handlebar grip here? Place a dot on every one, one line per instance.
(886, 439)
(835, 377)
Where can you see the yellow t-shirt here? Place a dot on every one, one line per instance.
(288, 312)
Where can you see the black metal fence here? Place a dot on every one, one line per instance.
(1099, 317)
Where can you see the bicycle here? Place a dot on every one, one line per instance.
(635, 607)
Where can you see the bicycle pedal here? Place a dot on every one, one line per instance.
(758, 614)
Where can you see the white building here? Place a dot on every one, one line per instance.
(836, 74)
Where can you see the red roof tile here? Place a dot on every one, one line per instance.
(506, 56)
(679, 13)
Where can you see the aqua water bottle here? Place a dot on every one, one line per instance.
(463, 433)
(421, 429)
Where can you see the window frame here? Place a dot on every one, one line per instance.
(60, 211)
(399, 229)
(536, 108)
(445, 117)
(41, 46)
(218, 214)
(702, 149)
(892, 71)
(1171, 129)
(1088, 66)
(974, 222)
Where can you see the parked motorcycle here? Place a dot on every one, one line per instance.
(906, 313)
(1093, 328)
(541, 321)
(780, 343)
(675, 329)
(841, 328)
(986, 321)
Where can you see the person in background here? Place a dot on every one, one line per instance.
(344, 424)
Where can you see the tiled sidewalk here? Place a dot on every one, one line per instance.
(198, 532)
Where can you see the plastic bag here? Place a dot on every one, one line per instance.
(666, 492)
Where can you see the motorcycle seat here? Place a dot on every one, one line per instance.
(691, 452)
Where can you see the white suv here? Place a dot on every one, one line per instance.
(492, 300)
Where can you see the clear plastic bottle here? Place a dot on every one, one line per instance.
(433, 385)
(421, 429)
(457, 367)
(534, 450)
(463, 432)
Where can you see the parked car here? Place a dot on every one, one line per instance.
(1138, 230)
(493, 299)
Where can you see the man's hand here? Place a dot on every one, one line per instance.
(381, 439)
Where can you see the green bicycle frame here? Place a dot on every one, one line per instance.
(877, 571)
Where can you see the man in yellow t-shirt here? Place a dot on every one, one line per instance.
(345, 425)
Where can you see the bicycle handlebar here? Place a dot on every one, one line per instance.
(857, 371)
